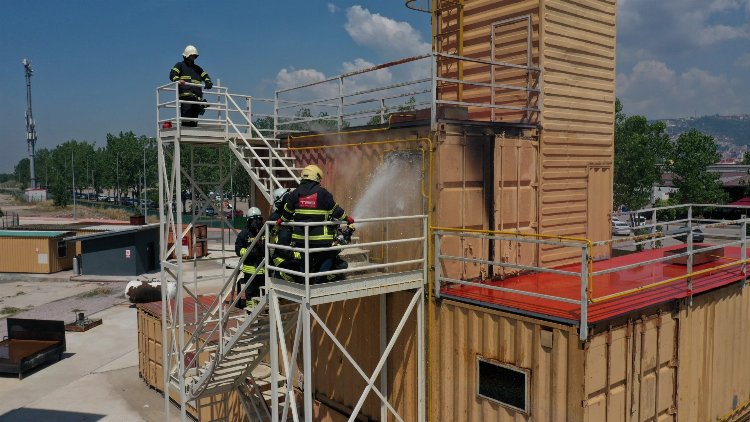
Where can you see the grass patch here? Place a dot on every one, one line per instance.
(12, 310)
(114, 213)
(99, 291)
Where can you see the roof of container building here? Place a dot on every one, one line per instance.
(608, 290)
(34, 233)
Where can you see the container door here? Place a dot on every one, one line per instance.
(599, 208)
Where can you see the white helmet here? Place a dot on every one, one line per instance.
(278, 195)
(190, 51)
(254, 212)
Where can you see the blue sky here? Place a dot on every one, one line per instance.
(97, 62)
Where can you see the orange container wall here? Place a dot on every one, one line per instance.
(714, 350)
(577, 150)
(356, 324)
(516, 184)
(462, 333)
(33, 255)
(218, 407)
(631, 372)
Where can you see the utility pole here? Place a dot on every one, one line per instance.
(73, 168)
(30, 128)
(145, 209)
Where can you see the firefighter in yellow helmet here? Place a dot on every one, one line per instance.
(187, 71)
(310, 203)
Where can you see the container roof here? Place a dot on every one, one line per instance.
(33, 233)
(569, 287)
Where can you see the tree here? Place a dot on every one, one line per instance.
(22, 172)
(693, 153)
(746, 158)
(641, 151)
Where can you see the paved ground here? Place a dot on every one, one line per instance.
(97, 379)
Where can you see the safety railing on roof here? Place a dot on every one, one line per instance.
(393, 244)
(676, 237)
(370, 95)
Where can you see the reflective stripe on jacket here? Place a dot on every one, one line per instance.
(311, 203)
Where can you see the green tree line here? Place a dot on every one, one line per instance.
(118, 168)
(644, 153)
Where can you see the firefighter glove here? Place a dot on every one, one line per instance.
(279, 221)
(209, 85)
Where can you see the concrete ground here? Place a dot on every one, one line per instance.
(98, 378)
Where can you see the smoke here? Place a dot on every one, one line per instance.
(393, 189)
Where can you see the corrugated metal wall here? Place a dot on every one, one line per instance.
(463, 177)
(463, 333)
(714, 374)
(349, 171)
(630, 372)
(516, 185)
(578, 65)
(219, 407)
(33, 255)
(356, 324)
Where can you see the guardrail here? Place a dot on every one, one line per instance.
(389, 262)
(655, 233)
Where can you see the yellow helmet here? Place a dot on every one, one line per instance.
(312, 172)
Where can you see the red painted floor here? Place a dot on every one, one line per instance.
(603, 285)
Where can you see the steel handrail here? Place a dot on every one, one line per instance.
(587, 281)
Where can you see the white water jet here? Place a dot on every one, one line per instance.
(393, 189)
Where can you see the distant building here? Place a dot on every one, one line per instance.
(35, 195)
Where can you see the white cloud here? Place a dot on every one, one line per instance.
(288, 78)
(332, 8)
(743, 60)
(657, 91)
(666, 25)
(385, 35)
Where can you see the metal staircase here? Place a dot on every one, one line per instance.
(219, 349)
(265, 160)
(241, 352)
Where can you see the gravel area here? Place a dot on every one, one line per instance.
(94, 298)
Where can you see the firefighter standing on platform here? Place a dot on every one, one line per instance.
(187, 71)
(254, 258)
(311, 203)
(282, 235)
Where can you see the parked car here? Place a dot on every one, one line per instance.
(210, 211)
(102, 197)
(234, 213)
(681, 234)
(620, 228)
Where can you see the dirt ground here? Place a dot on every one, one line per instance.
(46, 209)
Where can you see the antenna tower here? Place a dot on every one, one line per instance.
(30, 129)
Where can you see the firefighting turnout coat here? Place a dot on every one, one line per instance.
(254, 258)
(192, 73)
(311, 203)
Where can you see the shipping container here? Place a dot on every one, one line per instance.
(35, 251)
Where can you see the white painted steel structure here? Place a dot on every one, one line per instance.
(246, 342)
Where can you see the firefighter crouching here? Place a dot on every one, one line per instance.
(253, 259)
(311, 203)
(282, 235)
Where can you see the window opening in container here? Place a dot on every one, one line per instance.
(62, 249)
(504, 384)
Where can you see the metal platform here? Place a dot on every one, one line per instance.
(204, 134)
(360, 286)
